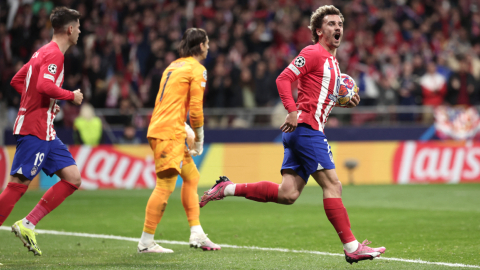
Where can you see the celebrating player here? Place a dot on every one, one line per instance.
(306, 148)
(38, 147)
(181, 90)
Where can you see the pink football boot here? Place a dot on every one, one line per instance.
(364, 252)
(216, 192)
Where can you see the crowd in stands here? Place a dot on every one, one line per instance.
(400, 52)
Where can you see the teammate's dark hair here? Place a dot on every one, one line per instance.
(62, 16)
(316, 20)
(190, 44)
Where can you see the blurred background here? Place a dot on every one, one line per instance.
(417, 64)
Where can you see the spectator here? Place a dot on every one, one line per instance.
(124, 46)
(434, 87)
(462, 87)
(12, 97)
(87, 127)
(129, 136)
(408, 89)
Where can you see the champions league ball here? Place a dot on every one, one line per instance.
(348, 88)
(190, 140)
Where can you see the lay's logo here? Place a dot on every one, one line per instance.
(437, 162)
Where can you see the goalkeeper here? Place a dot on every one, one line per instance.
(181, 90)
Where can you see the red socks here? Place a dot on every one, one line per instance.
(337, 214)
(263, 191)
(9, 197)
(51, 200)
(37, 214)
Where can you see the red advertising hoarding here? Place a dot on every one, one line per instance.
(436, 162)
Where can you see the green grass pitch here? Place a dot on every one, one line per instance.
(434, 223)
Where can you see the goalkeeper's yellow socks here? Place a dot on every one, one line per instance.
(158, 202)
(189, 194)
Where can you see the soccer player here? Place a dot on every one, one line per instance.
(38, 147)
(306, 148)
(181, 89)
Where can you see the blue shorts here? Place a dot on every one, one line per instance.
(306, 151)
(33, 155)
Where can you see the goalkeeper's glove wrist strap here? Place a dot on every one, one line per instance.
(199, 134)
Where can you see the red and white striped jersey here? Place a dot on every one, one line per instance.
(318, 77)
(39, 83)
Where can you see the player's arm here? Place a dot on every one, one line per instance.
(47, 78)
(19, 79)
(197, 89)
(297, 68)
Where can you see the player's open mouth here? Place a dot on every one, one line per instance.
(337, 36)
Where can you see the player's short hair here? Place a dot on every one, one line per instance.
(190, 44)
(62, 16)
(318, 15)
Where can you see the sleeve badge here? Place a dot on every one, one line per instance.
(52, 68)
(299, 61)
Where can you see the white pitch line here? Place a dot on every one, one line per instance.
(132, 239)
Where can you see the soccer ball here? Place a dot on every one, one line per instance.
(348, 88)
(190, 140)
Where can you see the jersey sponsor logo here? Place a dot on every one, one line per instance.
(205, 75)
(294, 69)
(299, 61)
(35, 55)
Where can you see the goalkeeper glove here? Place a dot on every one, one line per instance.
(198, 145)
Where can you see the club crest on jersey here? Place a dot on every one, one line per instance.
(205, 75)
(299, 61)
(52, 68)
(34, 170)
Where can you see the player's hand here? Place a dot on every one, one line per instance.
(78, 97)
(290, 122)
(354, 101)
(197, 149)
(57, 108)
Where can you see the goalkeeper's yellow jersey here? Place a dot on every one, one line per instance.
(181, 89)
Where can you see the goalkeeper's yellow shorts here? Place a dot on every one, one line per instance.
(169, 154)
